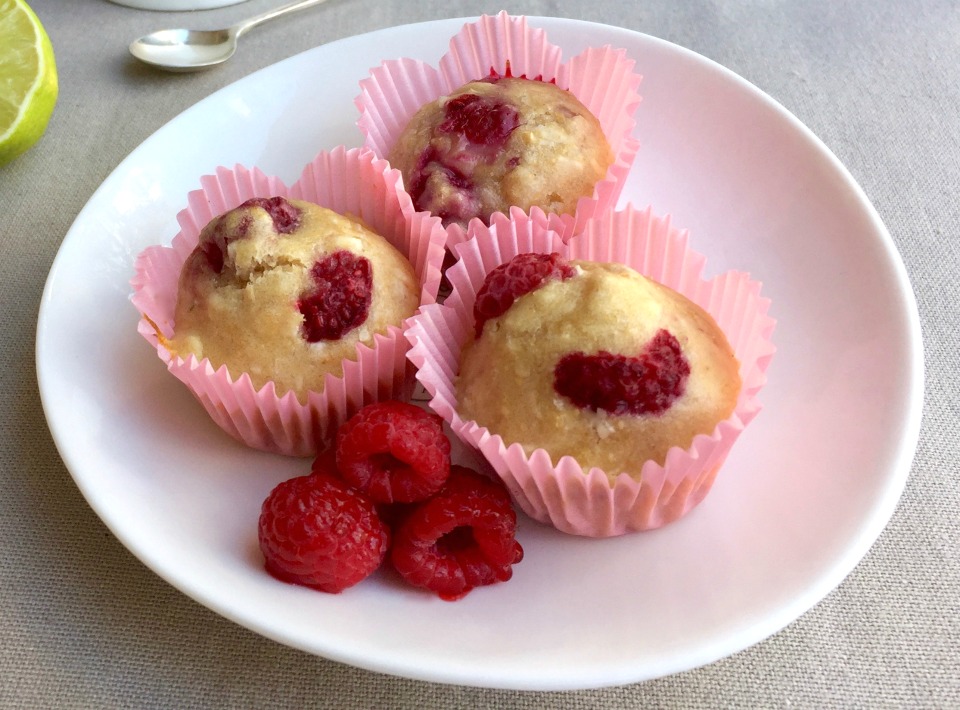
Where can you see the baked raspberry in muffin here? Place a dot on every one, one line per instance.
(501, 142)
(284, 290)
(594, 361)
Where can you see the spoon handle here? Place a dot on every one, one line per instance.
(244, 25)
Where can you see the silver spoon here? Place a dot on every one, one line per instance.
(189, 50)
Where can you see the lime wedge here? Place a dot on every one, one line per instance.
(28, 79)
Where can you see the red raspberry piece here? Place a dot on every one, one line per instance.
(442, 181)
(213, 244)
(508, 282)
(319, 532)
(457, 202)
(480, 119)
(340, 298)
(285, 216)
(461, 538)
(394, 452)
(646, 384)
(215, 238)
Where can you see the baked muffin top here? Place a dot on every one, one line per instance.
(284, 290)
(594, 361)
(501, 142)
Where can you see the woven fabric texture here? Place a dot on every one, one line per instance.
(84, 624)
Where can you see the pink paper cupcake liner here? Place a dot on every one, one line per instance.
(602, 78)
(561, 493)
(353, 182)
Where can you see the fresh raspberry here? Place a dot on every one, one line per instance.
(394, 452)
(482, 120)
(326, 461)
(646, 384)
(463, 537)
(319, 532)
(340, 298)
(285, 216)
(506, 283)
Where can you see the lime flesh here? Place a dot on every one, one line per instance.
(28, 79)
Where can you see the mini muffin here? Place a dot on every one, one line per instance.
(593, 361)
(643, 335)
(489, 57)
(284, 290)
(500, 142)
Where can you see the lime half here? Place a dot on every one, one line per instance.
(28, 79)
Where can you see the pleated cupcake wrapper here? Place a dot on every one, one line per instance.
(353, 182)
(602, 78)
(561, 493)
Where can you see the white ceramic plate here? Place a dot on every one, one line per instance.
(804, 494)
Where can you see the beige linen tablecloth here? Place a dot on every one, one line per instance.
(84, 624)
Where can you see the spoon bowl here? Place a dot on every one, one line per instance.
(185, 50)
(190, 50)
